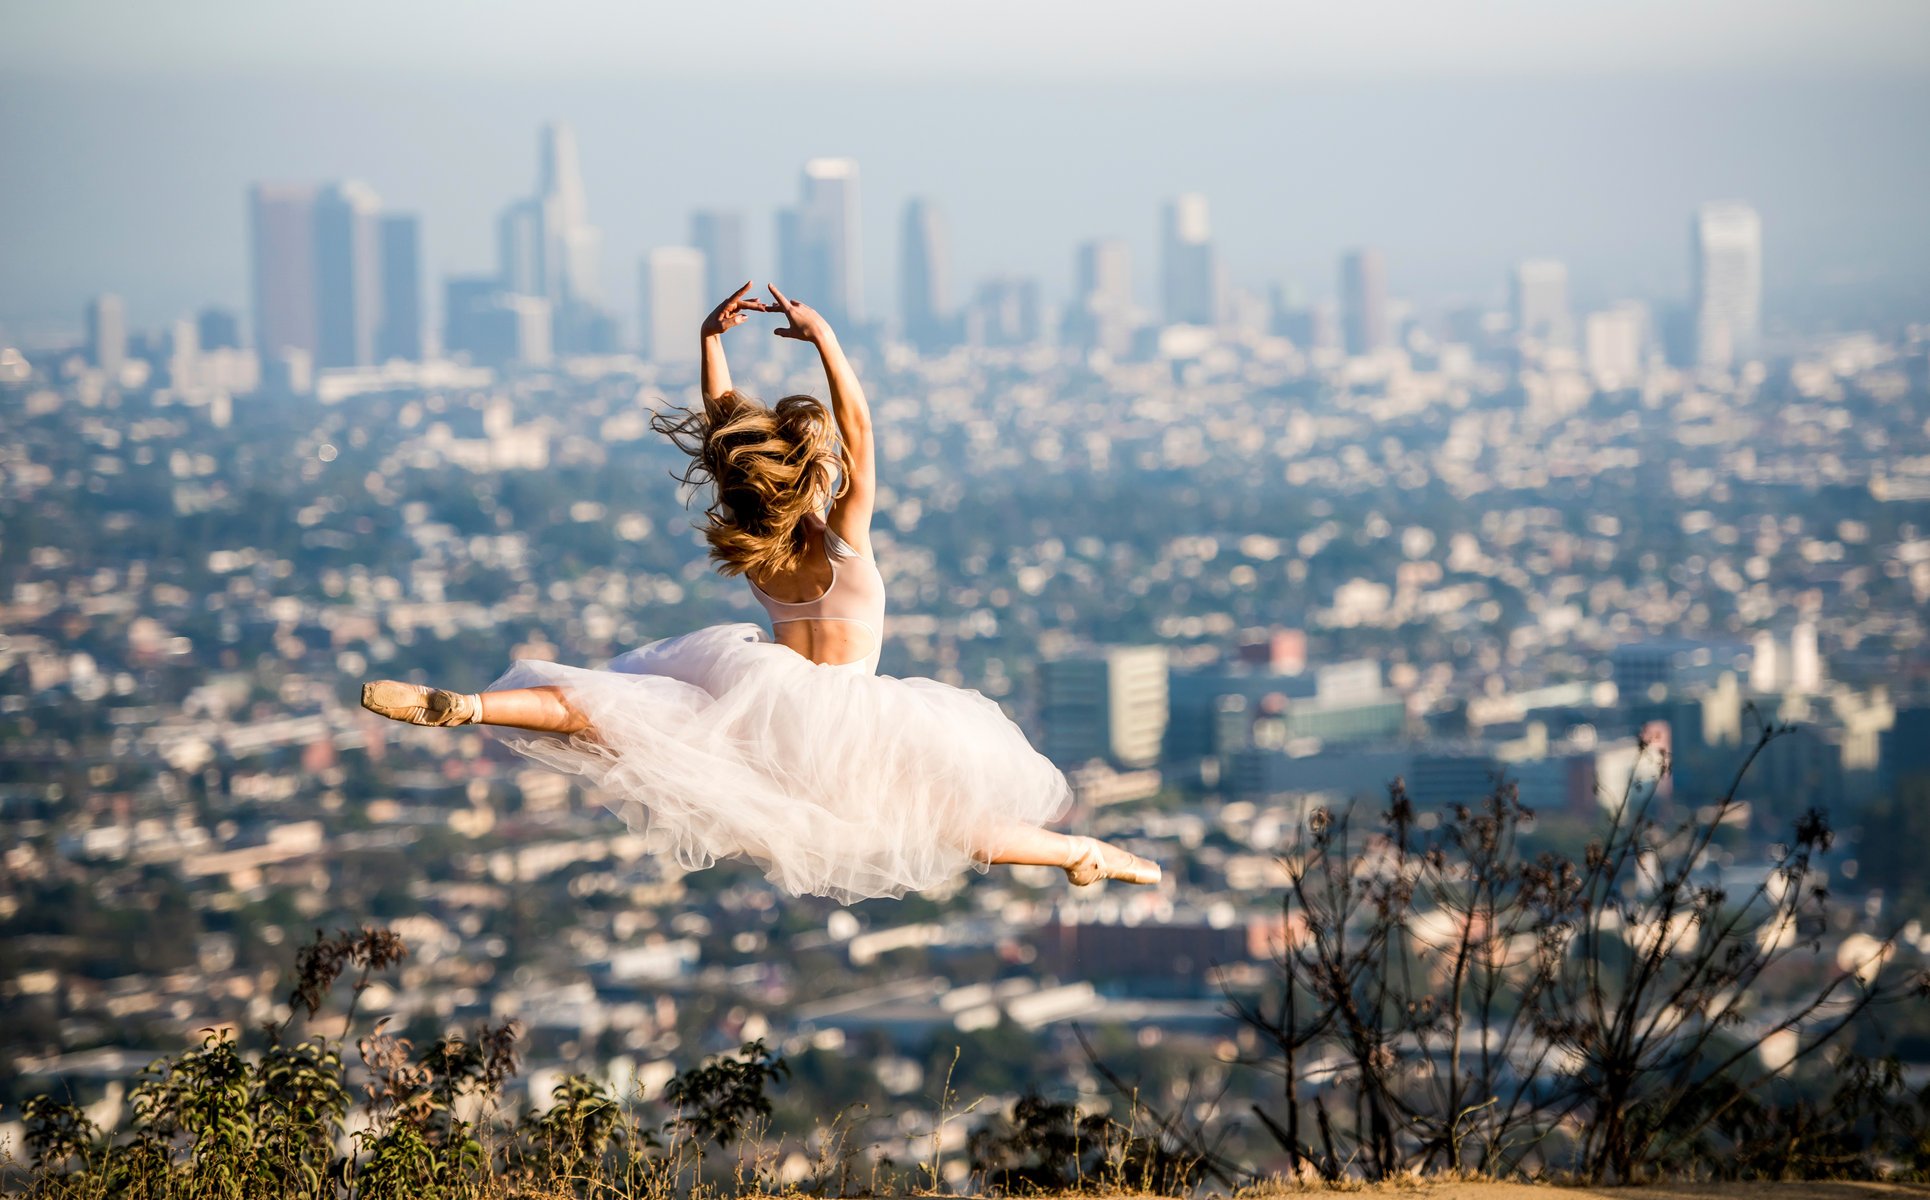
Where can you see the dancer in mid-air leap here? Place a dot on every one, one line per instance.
(787, 749)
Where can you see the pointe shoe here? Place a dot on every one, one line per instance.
(418, 705)
(1094, 860)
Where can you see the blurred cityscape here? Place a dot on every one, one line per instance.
(1224, 561)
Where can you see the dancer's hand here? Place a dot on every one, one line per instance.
(807, 325)
(732, 312)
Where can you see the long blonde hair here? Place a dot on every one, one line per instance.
(769, 469)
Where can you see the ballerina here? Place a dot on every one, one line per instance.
(787, 749)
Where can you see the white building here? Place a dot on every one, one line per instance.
(1539, 289)
(673, 304)
(1727, 247)
(1109, 704)
(1612, 345)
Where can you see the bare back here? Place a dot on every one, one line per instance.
(831, 608)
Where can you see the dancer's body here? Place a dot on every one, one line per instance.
(787, 749)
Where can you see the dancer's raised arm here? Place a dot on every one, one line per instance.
(850, 515)
(716, 371)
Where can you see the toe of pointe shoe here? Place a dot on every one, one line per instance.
(393, 699)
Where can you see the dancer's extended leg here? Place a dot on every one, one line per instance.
(540, 709)
(1084, 860)
(543, 709)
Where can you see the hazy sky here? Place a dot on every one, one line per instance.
(1457, 135)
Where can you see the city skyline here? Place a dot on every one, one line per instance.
(1607, 199)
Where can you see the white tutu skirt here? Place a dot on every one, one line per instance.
(836, 782)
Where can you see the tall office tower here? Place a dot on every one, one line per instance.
(1103, 273)
(218, 329)
(519, 249)
(1363, 302)
(348, 279)
(1726, 246)
(719, 234)
(464, 299)
(399, 333)
(1805, 660)
(1192, 287)
(924, 277)
(817, 241)
(547, 248)
(1612, 345)
(570, 242)
(107, 334)
(1100, 316)
(1004, 312)
(1111, 704)
(1539, 289)
(1765, 673)
(282, 233)
(673, 304)
(492, 327)
(184, 354)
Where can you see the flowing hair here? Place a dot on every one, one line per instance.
(769, 469)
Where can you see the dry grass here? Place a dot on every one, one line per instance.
(1443, 1189)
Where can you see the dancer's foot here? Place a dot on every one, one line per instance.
(1093, 860)
(420, 705)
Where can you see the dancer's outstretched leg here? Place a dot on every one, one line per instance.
(540, 709)
(1083, 859)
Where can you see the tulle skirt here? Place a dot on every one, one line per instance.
(836, 782)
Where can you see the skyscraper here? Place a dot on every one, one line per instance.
(107, 334)
(1363, 301)
(282, 233)
(570, 242)
(719, 235)
(673, 303)
(1191, 285)
(924, 277)
(547, 247)
(1004, 312)
(1101, 314)
(817, 242)
(1726, 248)
(348, 280)
(1612, 345)
(1539, 291)
(218, 329)
(400, 332)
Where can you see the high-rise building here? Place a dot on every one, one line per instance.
(719, 235)
(1539, 292)
(348, 279)
(1004, 312)
(570, 242)
(494, 328)
(1613, 343)
(1101, 314)
(218, 329)
(924, 280)
(547, 247)
(817, 242)
(1365, 326)
(1192, 286)
(673, 303)
(1726, 248)
(107, 334)
(282, 236)
(1111, 704)
(400, 333)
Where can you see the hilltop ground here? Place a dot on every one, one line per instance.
(1668, 1191)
